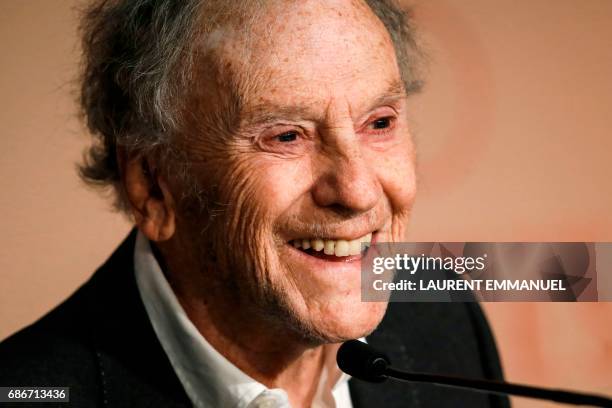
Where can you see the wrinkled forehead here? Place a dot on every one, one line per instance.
(302, 52)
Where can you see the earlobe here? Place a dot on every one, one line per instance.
(167, 219)
(158, 222)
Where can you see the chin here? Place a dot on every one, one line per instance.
(340, 321)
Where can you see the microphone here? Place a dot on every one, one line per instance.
(363, 362)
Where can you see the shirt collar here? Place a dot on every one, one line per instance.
(208, 377)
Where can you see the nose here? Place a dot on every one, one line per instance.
(346, 180)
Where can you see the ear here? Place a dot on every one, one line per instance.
(150, 199)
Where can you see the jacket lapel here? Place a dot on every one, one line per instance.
(388, 394)
(133, 368)
(444, 338)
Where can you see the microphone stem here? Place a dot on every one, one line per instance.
(566, 397)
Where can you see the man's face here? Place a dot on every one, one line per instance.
(320, 156)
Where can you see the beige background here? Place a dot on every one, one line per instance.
(513, 133)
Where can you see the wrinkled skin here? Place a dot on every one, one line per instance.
(318, 147)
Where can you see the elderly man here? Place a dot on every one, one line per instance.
(256, 145)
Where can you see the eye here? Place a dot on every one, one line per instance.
(287, 137)
(289, 140)
(381, 126)
(382, 123)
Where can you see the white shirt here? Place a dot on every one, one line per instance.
(209, 379)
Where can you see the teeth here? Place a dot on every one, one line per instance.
(317, 244)
(338, 247)
(341, 248)
(329, 247)
(354, 247)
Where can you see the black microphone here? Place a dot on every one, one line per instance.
(363, 362)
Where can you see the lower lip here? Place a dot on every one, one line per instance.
(311, 253)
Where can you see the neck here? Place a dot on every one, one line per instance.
(263, 348)
(274, 358)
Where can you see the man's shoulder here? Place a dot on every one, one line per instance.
(60, 348)
(54, 351)
(63, 338)
(99, 342)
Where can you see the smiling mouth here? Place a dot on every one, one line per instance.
(334, 249)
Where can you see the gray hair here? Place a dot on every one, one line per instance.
(138, 58)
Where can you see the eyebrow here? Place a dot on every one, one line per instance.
(267, 113)
(394, 92)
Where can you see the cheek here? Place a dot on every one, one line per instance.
(239, 214)
(281, 184)
(256, 193)
(397, 174)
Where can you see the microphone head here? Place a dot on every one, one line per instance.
(362, 361)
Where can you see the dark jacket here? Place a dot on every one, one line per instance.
(100, 343)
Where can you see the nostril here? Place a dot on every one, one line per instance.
(342, 211)
(347, 191)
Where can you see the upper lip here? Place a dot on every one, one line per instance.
(335, 236)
